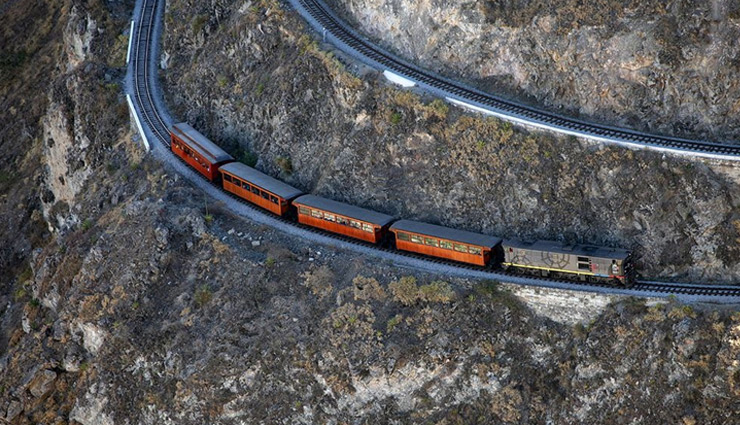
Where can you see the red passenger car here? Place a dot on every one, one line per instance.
(438, 241)
(341, 218)
(258, 188)
(199, 152)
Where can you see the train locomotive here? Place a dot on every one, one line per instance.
(541, 258)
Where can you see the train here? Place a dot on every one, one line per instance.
(581, 263)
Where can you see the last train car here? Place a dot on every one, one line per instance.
(199, 152)
(444, 242)
(581, 262)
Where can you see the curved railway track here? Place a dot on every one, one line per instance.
(144, 101)
(326, 22)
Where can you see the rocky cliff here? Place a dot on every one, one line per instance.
(129, 297)
(247, 75)
(662, 67)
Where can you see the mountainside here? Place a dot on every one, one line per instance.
(662, 67)
(129, 296)
(249, 77)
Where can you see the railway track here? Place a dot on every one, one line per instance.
(327, 23)
(141, 65)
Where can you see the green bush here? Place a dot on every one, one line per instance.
(437, 292)
(404, 290)
(203, 295)
(285, 164)
(393, 322)
(440, 108)
(396, 118)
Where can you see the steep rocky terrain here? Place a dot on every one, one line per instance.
(662, 67)
(247, 75)
(129, 297)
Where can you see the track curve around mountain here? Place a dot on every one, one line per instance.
(335, 30)
(154, 125)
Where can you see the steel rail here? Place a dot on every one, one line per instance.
(326, 22)
(153, 118)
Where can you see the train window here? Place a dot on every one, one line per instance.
(431, 242)
(416, 239)
(445, 244)
(583, 259)
(329, 217)
(355, 224)
(584, 266)
(474, 251)
(227, 177)
(255, 190)
(304, 210)
(403, 236)
(246, 186)
(342, 220)
(273, 199)
(265, 194)
(461, 248)
(316, 213)
(368, 228)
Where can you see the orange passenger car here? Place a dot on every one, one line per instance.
(341, 218)
(199, 152)
(258, 188)
(443, 242)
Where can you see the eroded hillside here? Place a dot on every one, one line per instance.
(662, 67)
(142, 301)
(250, 77)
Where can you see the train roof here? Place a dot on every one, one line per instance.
(559, 247)
(463, 236)
(261, 180)
(200, 143)
(346, 210)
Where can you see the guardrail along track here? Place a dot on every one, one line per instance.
(144, 101)
(381, 59)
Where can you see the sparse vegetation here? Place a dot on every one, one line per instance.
(117, 55)
(199, 22)
(319, 281)
(247, 157)
(404, 290)
(439, 108)
(203, 295)
(437, 292)
(393, 322)
(285, 164)
(395, 118)
(367, 288)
